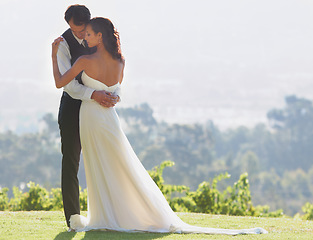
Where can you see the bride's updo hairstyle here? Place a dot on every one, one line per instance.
(110, 36)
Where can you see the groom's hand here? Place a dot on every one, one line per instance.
(104, 98)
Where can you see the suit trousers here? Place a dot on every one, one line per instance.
(68, 120)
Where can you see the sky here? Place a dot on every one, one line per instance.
(229, 61)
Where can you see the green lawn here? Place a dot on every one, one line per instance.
(51, 225)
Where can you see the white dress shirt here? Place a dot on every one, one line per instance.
(73, 88)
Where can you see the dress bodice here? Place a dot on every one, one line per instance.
(97, 85)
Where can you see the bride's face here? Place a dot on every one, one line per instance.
(91, 37)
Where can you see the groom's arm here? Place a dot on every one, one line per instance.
(74, 88)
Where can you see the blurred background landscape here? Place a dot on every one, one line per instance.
(214, 85)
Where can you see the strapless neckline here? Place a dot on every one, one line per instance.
(100, 81)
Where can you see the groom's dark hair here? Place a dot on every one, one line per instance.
(79, 13)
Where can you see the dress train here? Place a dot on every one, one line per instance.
(121, 194)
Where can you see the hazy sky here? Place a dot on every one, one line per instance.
(226, 60)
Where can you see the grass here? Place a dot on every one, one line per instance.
(51, 225)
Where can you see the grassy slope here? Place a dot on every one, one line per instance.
(51, 225)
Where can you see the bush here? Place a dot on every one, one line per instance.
(207, 198)
(36, 199)
(83, 199)
(167, 190)
(15, 202)
(263, 211)
(235, 200)
(4, 199)
(308, 210)
(57, 200)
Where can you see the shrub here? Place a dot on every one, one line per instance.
(263, 211)
(157, 175)
(36, 199)
(57, 200)
(83, 199)
(15, 202)
(207, 198)
(235, 200)
(4, 199)
(308, 210)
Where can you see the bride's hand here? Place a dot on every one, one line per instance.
(55, 46)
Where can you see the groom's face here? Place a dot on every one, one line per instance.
(78, 31)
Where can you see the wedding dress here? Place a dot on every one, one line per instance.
(121, 194)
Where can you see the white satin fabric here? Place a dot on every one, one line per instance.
(121, 194)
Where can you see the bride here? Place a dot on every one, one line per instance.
(121, 194)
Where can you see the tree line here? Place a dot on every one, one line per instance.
(277, 157)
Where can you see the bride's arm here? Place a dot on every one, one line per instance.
(62, 80)
(73, 88)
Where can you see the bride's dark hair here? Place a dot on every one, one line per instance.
(110, 36)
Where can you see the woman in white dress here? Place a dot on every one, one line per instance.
(121, 194)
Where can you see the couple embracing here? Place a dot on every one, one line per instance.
(88, 64)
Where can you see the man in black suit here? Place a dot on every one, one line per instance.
(71, 48)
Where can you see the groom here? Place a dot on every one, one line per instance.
(70, 49)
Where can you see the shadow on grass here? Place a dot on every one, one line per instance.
(123, 235)
(65, 236)
(111, 235)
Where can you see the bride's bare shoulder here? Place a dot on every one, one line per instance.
(88, 57)
(85, 59)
